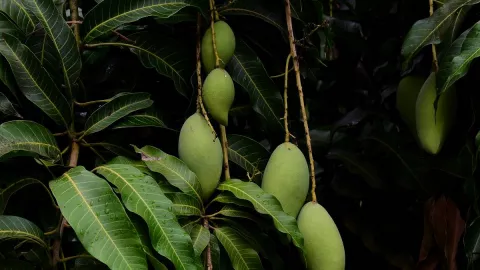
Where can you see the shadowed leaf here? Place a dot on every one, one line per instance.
(12, 227)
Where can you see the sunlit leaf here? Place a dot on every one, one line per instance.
(248, 154)
(12, 227)
(185, 205)
(7, 108)
(19, 14)
(200, 238)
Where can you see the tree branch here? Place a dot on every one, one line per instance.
(209, 250)
(75, 18)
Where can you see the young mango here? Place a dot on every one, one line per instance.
(224, 41)
(218, 94)
(407, 93)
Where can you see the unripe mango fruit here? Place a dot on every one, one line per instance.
(224, 41)
(433, 127)
(286, 177)
(201, 153)
(407, 93)
(323, 243)
(218, 94)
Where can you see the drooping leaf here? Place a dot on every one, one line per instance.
(6, 107)
(200, 238)
(14, 186)
(98, 218)
(117, 108)
(19, 14)
(6, 76)
(43, 48)
(61, 36)
(185, 205)
(144, 119)
(236, 212)
(228, 198)
(28, 136)
(141, 195)
(248, 71)
(110, 14)
(248, 154)
(431, 30)
(241, 254)
(13, 227)
(34, 81)
(145, 239)
(266, 204)
(175, 170)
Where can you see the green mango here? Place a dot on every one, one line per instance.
(201, 153)
(224, 41)
(323, 243)
(218, 94)
(407, 92)
(286, 177)
(433, 128)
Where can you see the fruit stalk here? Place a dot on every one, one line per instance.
(296, 66)
(214, 44)
(285, 98)
(434, 48)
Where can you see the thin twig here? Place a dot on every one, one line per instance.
(280, 75)
(75, 18)
(76, 257)
(93, 102)
(434, 48)
(296, 66)
(212, 27)
(285, 100)
(226, 167)
(209, 251)
(61, 133)
(122, 36)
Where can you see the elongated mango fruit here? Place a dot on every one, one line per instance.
(286, 177)
(201, 153)
(323, 243)
(218, 94)
(224, 41)
(407, 93)
(433, 127)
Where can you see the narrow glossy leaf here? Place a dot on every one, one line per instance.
(61, 36)
(248, 71)
(141, 195)
(8, 26)
(145, 239)
(431, 30)
(228, 198)
(185, 205)
(21, 16)
(241, 254)
(116, 109)
(22, 135)
(456, 25)
(110, 14)
(267, 204)
(14, 186)
(236, 212)
(175, 170)
(248, 154)
(145, 119)
(12, 227)
(140, 165)
(6, 107)
(200, 238)
(43, 48)
(98, 218)
(6, 76)
(34, 81)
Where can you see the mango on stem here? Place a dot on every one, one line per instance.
(224, 41)
(218, 94)
(407, 93)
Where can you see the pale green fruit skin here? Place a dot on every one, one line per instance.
(323, 242)
(286, 177)
(433, 130)
(200, 153)
(407, 93)
(225, 42)
(218, 94)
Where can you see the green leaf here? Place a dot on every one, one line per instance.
(14, 186)
(241, 254)
(115, 149)
(61, 36)
(34, 81)
(200, 238)
(140, 165)
(175, 170)
(8, 26)
(215, 251)
(248, 71)
(144, 238)
(236, 212)
(116, 109)
(145, 119)
(141, 195)
(98, 218)
(110, 14)
(248, 154)
(21, 16)
(267, 204)
(185, 205)
(12, 227)
(226, 197)
(6, 76)
(22, 135)
(432, 30)
(43, 48)
(6, 107)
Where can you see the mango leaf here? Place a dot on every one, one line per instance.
(61, 36)
(228, 198)
(200, 238)
(141, 195)
(6, 107)
(28, 136)
(456, 25)
(185, 205)
(21, 16)
(267, 204)
(98, 218)
(140, 165)
(148, 118)
(236, 212)
(248, 154)
(14, 186)
(115, 149)
(241, 254)
(43, 48)
(248, 71)
(175, 170)
(12, 227)
(8, 26)
(34, 81)
(110, 14)
(117, 108)
(6, 76)
(431, 30)
(144, 238)
(215, 251)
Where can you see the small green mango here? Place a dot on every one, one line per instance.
(433, 128)
(323, 243)
(286, 177)
(407, 92)
(224, 41)
(218, 94)
(201, 153)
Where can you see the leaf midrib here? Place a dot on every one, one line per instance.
(233, 245)
(28, 236)
(25, 12)
(456, 72)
